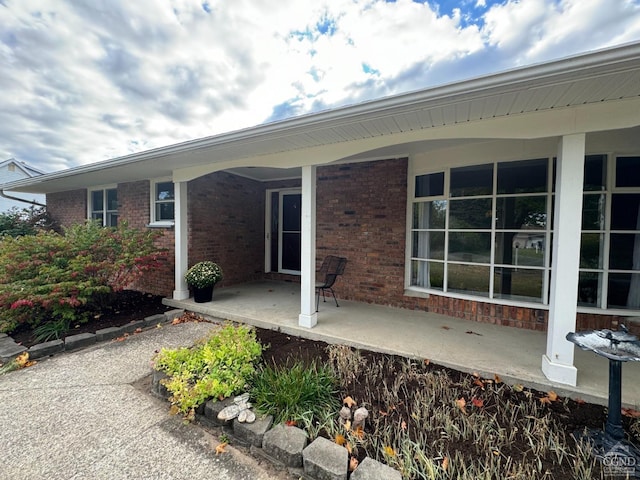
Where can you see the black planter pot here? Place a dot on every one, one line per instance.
(202, 295)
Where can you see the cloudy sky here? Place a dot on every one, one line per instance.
(87, 80)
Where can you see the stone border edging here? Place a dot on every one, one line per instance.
(9, 349)
(285, 446)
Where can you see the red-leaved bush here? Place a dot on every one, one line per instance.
(51, 276)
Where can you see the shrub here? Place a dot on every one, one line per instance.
(51, 276)
(295, 392)
(216, 368)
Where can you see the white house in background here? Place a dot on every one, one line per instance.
(10, 171)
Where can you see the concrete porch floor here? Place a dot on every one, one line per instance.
(513, 354)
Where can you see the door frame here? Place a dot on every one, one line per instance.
(268, 267)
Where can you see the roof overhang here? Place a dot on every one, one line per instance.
(586, 93)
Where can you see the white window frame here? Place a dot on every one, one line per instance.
(105, 211)
(152, 197)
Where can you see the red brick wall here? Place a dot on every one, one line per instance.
(68, 208)
(226, 225)
(134, 199)
(361, 215)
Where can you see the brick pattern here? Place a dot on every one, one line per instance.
(361, 215)
(68, 208)
(226, 225)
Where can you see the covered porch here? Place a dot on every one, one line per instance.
(512, 353)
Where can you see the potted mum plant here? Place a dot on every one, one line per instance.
(202, 277)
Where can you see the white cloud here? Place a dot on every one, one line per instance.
(85, 80)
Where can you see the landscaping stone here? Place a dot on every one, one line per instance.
(371, 469)
(212, 408)
(157, 388)
(133, 326)
(9, 349)
(325, 460)
(3, 335)
(173, 314)
(45, 349)
(108, 333)
(154, 320)
(79, 341)
(253, 433)
(285, 444)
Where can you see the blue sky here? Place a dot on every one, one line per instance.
(87, 80)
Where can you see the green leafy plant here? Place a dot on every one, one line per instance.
(52, 330)
(203, 274)
(52, 276)
(218, 367)
(295, 392)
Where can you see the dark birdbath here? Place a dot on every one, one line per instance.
(610, 446)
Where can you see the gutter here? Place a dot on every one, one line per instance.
(10, 197)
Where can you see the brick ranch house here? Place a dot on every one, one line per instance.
(510, 198)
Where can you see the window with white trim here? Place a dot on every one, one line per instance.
(163, 202)
(610, 243)
(484, 230)
(103, 206)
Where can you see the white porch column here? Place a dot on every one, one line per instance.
(181, 291)
(308, 316)
(557, 362)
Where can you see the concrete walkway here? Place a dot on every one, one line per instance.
(83, 415)
(512, 353)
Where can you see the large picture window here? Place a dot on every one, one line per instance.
(483, 230)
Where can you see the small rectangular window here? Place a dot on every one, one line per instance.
(628, 172)
(431, 185)
(527, 176)
(471, 181)
(164, 199)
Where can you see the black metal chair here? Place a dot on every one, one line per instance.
(332, 267)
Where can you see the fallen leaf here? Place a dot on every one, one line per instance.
(23, 360)
(359, 432)
(445, 463)
(476, 374)
(220, 448)
(403, 425)
(353, 464)
(553, 396)
(497, 378)
(290, 423)
(579, 401)
(427, 361)
(461, 403)
(340, 440)
(176, 321)
(477, 402)
(347, 425)
(518, 388)
(174, 410)
(384, 414)
(479, 383)
(471, 332)
(349, 448)
(349, 402)
(444, 327)
(389, 451)
(138, 330)
(545, 400)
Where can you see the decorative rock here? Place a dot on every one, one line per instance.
(325, 460)
(359, 417)
(252, 433)
(9, 349)
(239, 405)
(45, 349)
(345, 414)
(213, 407)
(371, 469)
(133, 326)
(173, 314)
(79, 341)
(285, 444)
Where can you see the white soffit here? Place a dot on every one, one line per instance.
(599, 77)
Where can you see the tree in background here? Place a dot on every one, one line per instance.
(26, 221)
